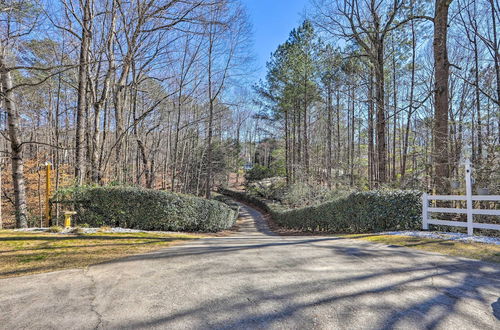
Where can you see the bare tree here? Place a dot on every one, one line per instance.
(226, 35)
(81, 107)
(7, 96)
(369, 24)
(441, 96)
(16, 21)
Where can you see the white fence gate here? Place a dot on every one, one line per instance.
(470, 210)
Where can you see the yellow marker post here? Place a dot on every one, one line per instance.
(67, 218)
(48, 167)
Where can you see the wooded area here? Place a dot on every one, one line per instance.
(367, 95)
(157, 93)
(111, 91)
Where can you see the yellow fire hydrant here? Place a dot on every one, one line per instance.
(67, 218)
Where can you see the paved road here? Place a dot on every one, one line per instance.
(254, 280)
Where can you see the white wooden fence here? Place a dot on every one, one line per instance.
(469, 210)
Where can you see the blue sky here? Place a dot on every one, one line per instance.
(272, 22)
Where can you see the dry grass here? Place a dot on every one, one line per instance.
(23, 253)
(479, 251)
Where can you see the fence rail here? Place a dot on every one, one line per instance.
(470, 211)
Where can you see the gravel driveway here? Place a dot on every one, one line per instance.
(254, 279)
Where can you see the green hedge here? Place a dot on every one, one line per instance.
(241, 196)
(228, 201)
(359, 212)
(259, 172)
(147, 209)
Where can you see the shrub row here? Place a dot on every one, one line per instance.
(244, 197)
(359, 212)
(228, 201)
(147, 209)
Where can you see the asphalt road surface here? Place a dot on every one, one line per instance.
(256, 280)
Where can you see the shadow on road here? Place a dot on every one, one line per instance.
(434, 289)
(474, 286)
(496, 309)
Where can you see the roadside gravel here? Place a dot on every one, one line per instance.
(448, 236)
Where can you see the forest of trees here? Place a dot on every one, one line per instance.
(373, 94)
(364, 93)
(145, 92)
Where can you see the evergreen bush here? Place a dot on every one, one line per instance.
(147, 209)
(259, 172)
(359, 212)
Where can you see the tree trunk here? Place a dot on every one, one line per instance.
(442, 66)
(478, 103)
(351, 146)
(395, 119)
(176, 138)
(496, 54)
(338, 131)
(410, 105)
(371, 169)
(209, 150)
(329, 136)
(82, 95)
(306, 144)
(287, 149)
(211, 101)
(96, 136)
(15, 144)
(380, 125)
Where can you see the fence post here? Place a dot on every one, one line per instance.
(425, 205)
(468, 193)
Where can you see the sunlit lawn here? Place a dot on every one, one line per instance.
(23, 253)
(479, 251)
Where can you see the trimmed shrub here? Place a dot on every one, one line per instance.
(303, 194)
(359, 212)
(270, 188)
(246, 198)
(295, 195)
(228, 201)
(259, 172)
(147, 209)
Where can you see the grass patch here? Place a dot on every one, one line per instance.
(473, 250)
(23, 253)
